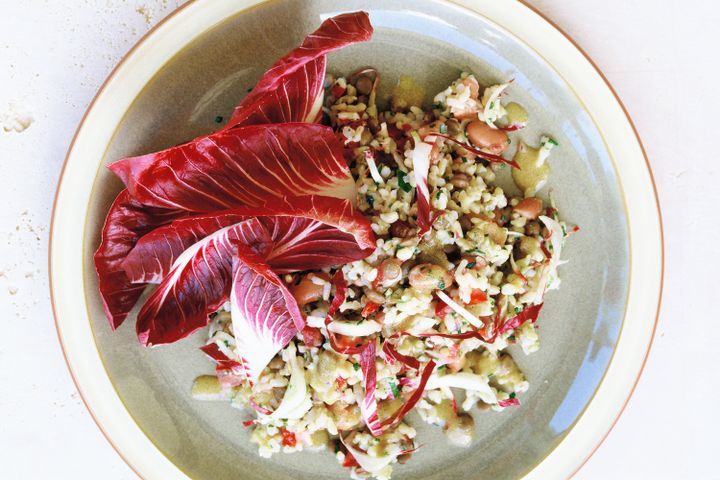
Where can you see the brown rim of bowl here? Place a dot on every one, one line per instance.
(522, 2)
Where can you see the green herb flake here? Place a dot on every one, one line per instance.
(552, 141)
(471, 264)
(370, 200)
(441, 285)
(249, 89)
(402, 182)
(443, 128)
(512, 395)
(492, 104)
(395, 389)
(227, 344)
(437, 195)
(518, 309)
(511, 339)
(219, 119)
(356, 366)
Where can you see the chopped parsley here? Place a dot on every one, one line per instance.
(395, 389)
(512, 395)
(441, 285)
(356, 366)
(552, 141)
(518, 309)
(370, 200)
(471, 264)
(402, 182)
(219, 119)
(443, 128)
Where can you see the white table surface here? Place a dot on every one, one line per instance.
(660, 55)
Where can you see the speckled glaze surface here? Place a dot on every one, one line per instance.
(431, 41)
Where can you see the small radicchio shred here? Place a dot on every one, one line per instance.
(530, 314)
(126, 222)
(368, 406)
(291, 90)
(229, 372)
(498, 326)
(513, 128)
(509, 402)
(393, 420)
(258, 408)
(421, 168)
(393, 355)
(490, 157)
(265, 315)
(246, 166)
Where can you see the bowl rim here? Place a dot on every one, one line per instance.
(571, 454)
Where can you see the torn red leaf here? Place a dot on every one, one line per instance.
(302, 233)
(240, 167)
(197, 285)
(292, 89)
(265, 315)
(125, 223)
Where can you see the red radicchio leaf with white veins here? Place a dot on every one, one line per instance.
(243, 166)
(292, 89)
(265, 315)
(125, 223)
(197, 284)
(299, 233)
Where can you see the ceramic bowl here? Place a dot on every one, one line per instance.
(595, 331)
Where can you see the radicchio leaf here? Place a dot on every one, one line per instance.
(243, 166)
(300, 233)
(198, 284)
(265, 315)
(292, 89)
(125, 223)
(296, 234)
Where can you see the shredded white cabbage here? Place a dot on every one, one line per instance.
(466, 381)
(459, 309)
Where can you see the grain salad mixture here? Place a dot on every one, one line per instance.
(423, 323)
(354, 260)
